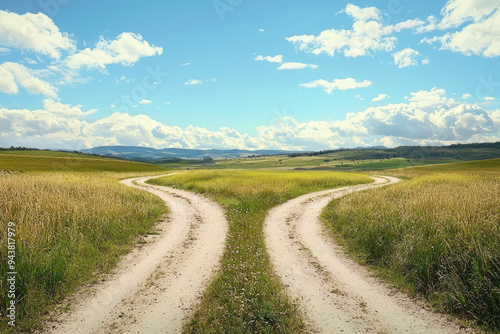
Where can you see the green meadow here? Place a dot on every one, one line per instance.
(46, 161)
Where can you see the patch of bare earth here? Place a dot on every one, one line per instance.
(156, 286)
(336, 294)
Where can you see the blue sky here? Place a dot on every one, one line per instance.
(299, 75)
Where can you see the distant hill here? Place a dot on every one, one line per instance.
(458, 151)
(464, 152)
(148, 154)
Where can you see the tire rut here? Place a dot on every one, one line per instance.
(336, 294)
(157, 285)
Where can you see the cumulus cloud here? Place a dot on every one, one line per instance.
(380, 97)
(466, 96)
(406, 57)
(428, 117)
(481, 36)
(145, 101)
(489, 98)
(193, 82)
(456, 12)
(33, 32)
(62, 126)
(65, 110)
(342, 84)
(368, 34)
(409, 24)
(14, 74)
(275, 59)
(125, 50)
(296, 66)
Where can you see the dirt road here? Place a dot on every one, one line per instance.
(336, 294)
(155, 286)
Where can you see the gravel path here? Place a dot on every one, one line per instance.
(336, 294)
(155, 287)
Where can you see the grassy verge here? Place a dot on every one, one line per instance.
(69, 227)
(438, 234)
(246, 296)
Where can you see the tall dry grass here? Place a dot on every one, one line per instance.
(438, 233)
(69, 227)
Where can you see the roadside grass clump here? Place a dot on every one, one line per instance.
(246, 296)
(70, 227)
(438, 234)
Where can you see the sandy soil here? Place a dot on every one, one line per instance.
(154, 287)
(335, 293)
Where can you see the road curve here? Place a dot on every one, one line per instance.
(155, 286)
(336, 294)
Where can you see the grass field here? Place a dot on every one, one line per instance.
(246, 297)
(69, 227)
(437, 234)
(42, 153)
(332, 161)
(61, 161)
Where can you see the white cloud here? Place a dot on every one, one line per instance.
(359, 97)
(367, 34)
(426, 61)
(12, 74)
(125, 50)
(409, 24)
(296, 66)
(186, 64)
(456, 12)
(144, 101)
(481, 36)
(429, 117)
(4, 51)
(406, 57)
(65, 110)
(261, 30)
(212, 80)
(54, 127)
(124, 78)
(380, 97)
(193, 82)
(466, 96)
(33, 32)
(275, 59)
(433, 96)
(362, 14)
(489, 98)
(431, 24)
(342, 84)
(30, 61)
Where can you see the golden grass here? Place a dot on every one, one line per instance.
(438, 234)
(69, 227)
